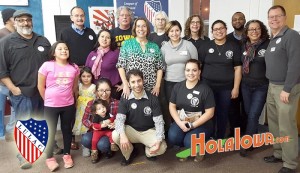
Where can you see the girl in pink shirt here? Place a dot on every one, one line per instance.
(58, 85)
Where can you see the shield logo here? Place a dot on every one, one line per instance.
(31, 137)
(150, 7)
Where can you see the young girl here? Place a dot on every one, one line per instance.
(86, 94)
(58, 84)
(102, 126)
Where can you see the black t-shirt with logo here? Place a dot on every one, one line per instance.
(196, 99)
(218, 63)
(140, 113)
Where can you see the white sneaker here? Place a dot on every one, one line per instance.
(86, 152)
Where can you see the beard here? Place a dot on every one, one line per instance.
(241, 28)
(24, 30)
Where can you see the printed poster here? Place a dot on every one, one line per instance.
(101, 18)
(145, 8)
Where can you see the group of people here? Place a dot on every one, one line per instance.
(128, 85)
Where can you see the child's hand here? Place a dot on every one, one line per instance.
(111, 125)
(103, 124)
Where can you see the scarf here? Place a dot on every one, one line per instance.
(249, 56)
(96, 69)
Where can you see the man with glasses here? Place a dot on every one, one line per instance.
(123, 31)
(80, 39)
(159, 23)
(21, 55)
(282, 69)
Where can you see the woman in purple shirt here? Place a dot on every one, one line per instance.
(103, 59)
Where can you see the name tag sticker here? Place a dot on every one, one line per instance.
(273, 49)
(196, 92)
(183, 52)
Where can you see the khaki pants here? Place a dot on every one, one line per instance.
(147, 138)
(282, 122)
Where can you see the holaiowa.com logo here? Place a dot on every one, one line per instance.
(198, 145)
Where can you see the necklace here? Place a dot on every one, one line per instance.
(219, 51)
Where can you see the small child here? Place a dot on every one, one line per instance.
(102, 126)
(86, 93)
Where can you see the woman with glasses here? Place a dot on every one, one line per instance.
(103, 59)
(142, 54)
(194, 31)
(221, 61)
(254, 82)
(159, 22)
(103, 92)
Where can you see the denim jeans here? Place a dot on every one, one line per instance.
(180, 138)
(4, 92)
(223, 101)
(26, 107)
(103, 144)
(254, 101)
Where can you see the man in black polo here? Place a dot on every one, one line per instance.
(139, 120)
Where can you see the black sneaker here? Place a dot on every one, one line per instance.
(108, 155)
(153, 158)
(286, 170)
(125, 162)
(272, 159)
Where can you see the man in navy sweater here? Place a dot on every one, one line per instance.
(80, 39)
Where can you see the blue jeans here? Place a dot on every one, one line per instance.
(26, 107)
(223, 101)
(179, 138)
(254, 101)
(103, 144)
(4, 92)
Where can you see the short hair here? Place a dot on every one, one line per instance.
(187, 29)
(154, 18)
(264, 31)
(134, 72)
(216, 22)
(238, 12)
(276, 7)
(97, 102)
(124, 8)
(194, 61)
(103, 80)
(113, 45)
(134, 26)
(171, 24)
(78, 8)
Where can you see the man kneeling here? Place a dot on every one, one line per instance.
(139, 120)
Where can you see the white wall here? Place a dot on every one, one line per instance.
(223, 10)
(178, 10)
(51, 8)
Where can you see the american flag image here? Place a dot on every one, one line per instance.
(31, 137)
(104, 18)
(150, 7)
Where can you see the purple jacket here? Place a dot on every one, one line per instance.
(108, 66)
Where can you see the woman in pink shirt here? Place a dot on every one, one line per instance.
(58, 84)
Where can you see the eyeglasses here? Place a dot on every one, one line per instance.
(104, 91)
(254, 29)
(77, 16)
(218, 29)
(28, 20)
(275, 17)
(195, 22)
(162, 19)
(124, 15)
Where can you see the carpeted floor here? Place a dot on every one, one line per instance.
(230, 162)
